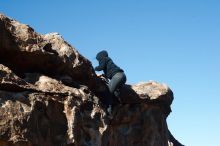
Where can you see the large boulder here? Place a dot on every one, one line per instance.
(51, 96)
(25, 51)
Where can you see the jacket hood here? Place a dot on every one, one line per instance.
(101, 54)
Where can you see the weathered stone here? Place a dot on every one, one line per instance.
(25, 51)
(50, 96)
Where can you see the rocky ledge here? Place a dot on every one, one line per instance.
(51, 96)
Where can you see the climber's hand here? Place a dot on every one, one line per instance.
(99, 75)
(102, 76)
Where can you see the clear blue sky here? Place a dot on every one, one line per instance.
(174, 41)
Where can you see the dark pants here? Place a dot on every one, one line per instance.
(117, 81)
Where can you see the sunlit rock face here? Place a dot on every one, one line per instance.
(51, 96)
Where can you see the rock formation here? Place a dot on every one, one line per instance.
(51, 96)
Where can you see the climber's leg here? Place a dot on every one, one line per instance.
(117, 81)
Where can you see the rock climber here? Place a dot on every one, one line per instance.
(113, 73)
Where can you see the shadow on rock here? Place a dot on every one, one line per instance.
(128, 95)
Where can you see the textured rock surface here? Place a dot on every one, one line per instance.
(50, 96)
(25, 51)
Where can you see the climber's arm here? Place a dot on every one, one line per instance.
(101, 65)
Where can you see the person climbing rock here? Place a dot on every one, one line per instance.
(113, 73)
